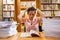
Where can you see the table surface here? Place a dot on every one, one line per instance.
(17, 37)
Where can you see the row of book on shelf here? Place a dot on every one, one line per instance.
(50, 1)
(51, 13)
(28, 3)
(8, 7)
(46, 13)
(50, 7)
(8, 19)
(8, 14)
(8, 1)
(33, 3)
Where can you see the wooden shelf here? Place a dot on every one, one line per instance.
(8, 4)
(52, 16)
(50, 3)
(27, 0)
(23, 7)
(8, 10)
(50, 10)
(8, 17)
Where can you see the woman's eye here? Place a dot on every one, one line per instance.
(33, 14)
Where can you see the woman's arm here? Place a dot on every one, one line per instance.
(40, 12)
(22, 16)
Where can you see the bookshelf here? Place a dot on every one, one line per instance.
(1, 18)
(51, 8)
(8, 10)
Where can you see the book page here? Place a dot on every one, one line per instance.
(26, 34)
(33, 32)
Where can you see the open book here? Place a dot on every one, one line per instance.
(32, 33)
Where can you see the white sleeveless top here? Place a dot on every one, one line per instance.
(28, 23)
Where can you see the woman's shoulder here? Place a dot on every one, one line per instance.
(38, 18)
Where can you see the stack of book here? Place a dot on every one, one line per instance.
(7, 29)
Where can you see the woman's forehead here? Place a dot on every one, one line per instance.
(31, 12)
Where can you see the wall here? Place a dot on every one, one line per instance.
(51, 27)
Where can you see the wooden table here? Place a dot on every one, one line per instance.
(17, 37)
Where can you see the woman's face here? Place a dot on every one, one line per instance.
(31, 14)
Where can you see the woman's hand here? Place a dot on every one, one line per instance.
(32, 27)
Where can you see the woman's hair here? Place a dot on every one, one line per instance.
(31, 9)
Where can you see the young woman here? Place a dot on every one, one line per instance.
(31, 23)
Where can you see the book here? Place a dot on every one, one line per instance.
(9, 7)
(4, 1)
(1, 2)
(54, 1)
(58, 1)
(1, 18)
(57, 13)
(23, 3)
(43, 1)
(47, 13)
(59, 6)
(45, 7)
(5, 7)
(12, 14)
(49, 1)
(50, 7)
(6, 14)
(1, 8)
(32, 33)
(41, 7)
(10, 1)
(0, 13)
(6, 19)
(12, 7)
